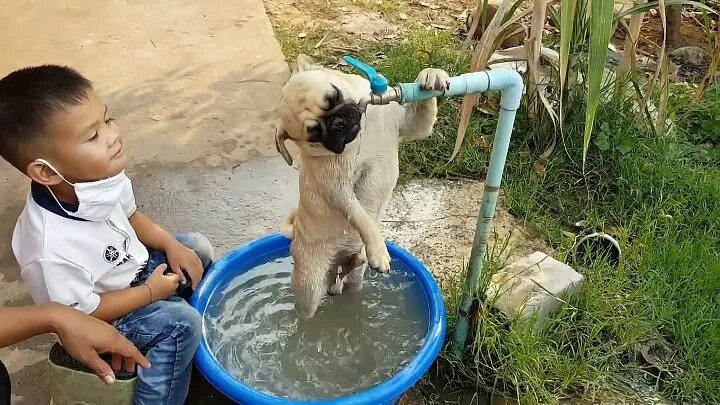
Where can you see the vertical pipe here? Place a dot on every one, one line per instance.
(509, 102)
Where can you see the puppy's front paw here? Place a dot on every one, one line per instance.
(378, 257)
(433, 80)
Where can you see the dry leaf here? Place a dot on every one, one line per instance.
(302, 35)
(430, 6)
(482, 141)
(320, 42)
(403, 16)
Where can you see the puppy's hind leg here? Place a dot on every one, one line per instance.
(356, 274)
(355, 279)
(348, 267)
(309, 280)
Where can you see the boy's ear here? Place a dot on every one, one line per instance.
(280, 137)
(41, 174)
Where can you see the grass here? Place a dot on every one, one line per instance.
(661, 196)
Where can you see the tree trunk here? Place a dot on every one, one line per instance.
(674, 21)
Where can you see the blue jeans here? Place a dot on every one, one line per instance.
(168, 332)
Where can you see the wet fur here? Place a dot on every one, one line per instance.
(335, 227)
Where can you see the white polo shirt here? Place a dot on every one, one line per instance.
(70, 260)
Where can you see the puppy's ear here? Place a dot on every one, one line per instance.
(280, 137)
(303, 63)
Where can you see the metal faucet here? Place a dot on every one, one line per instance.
(379, 92)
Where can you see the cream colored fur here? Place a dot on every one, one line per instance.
(343, 197)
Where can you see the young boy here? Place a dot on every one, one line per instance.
(81, 242)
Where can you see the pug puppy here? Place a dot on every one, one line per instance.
(348, 170)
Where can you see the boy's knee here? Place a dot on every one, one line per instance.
(185, 324)
(200, 244)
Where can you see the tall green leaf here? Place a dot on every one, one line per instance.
(567, 16)
(601, 18)
(567, 23)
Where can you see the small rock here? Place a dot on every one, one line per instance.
(403, 16)
(530, 286)
(302, 35)
(613, 58)
(689, 56)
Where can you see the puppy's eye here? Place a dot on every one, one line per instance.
(314, 133)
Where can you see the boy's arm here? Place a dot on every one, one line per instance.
(150, 233)
(114, 304)
(179, 256)
(73, 286)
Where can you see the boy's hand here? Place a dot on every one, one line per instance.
(162, 285)
(179, 258)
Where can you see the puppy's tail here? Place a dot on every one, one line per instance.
(289, 224)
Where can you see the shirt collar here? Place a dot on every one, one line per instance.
(42, 197)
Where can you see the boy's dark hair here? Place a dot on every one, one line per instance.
(27, 98)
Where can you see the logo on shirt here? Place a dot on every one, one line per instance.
(111, 254)
(124, 260)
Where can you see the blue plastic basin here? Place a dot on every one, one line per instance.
(270, 247)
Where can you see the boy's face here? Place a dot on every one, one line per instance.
(86, 143)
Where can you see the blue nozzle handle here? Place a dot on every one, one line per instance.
(378, 82)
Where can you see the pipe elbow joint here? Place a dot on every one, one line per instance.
(512, 95)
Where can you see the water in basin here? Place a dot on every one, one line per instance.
(354, 341)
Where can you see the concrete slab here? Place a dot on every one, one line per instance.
(231, 205)
(535, 285)
(186, 80)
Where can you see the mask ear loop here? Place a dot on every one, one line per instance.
(46, 163)
(51, 167)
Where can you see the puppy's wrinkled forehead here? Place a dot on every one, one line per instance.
(305, 98)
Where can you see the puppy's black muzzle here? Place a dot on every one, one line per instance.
(339, 126)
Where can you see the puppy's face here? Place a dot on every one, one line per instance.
(338, 125)
(316, 114)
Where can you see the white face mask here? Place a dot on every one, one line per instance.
(96, 199)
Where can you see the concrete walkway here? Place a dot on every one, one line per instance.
(193, 86)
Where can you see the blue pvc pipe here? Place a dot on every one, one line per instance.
(508, 81)
(511, 84)
(268, 248)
